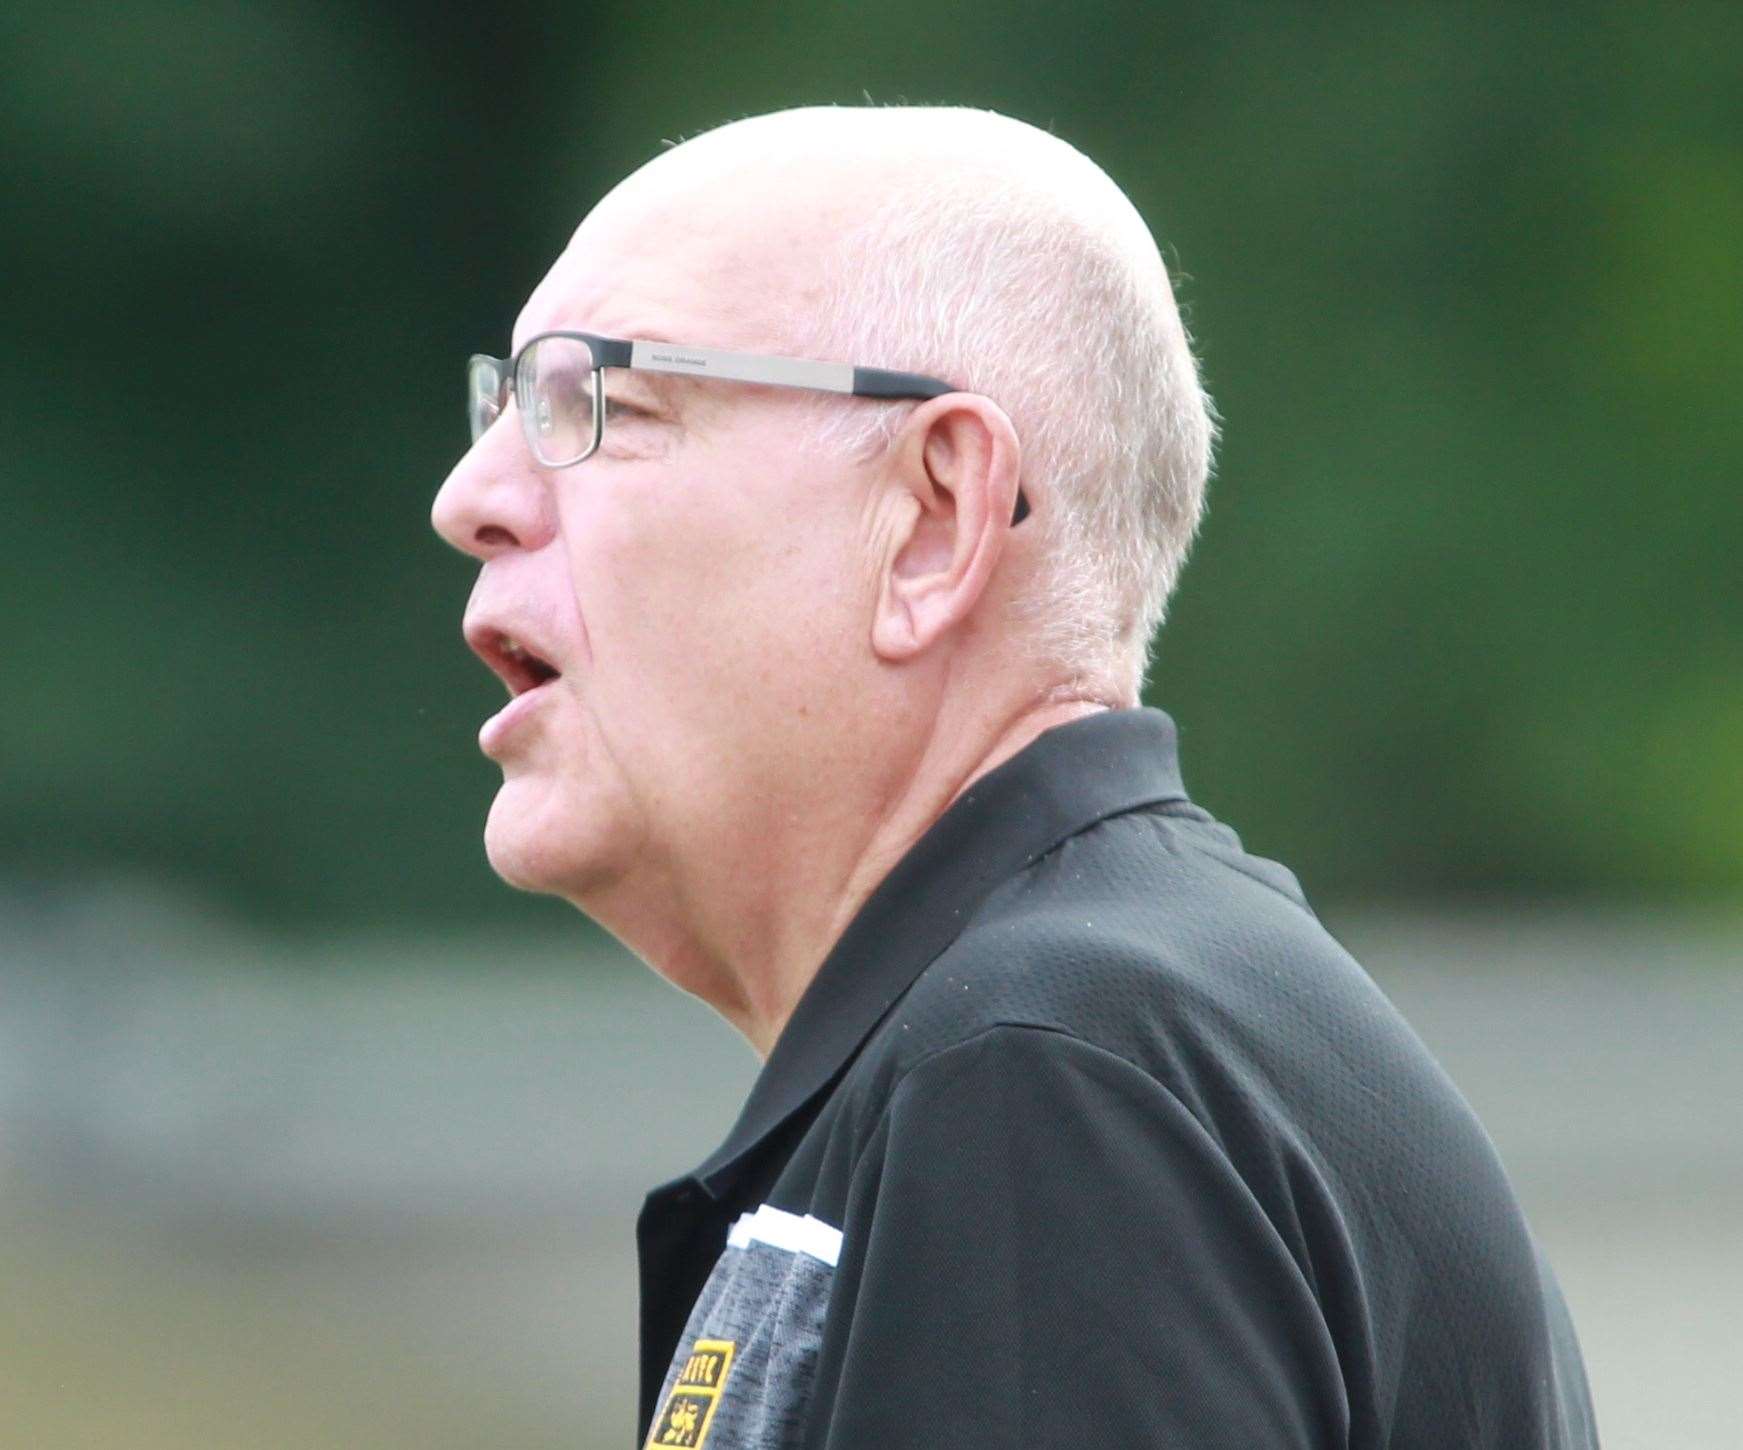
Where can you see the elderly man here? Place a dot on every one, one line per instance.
(825, 510)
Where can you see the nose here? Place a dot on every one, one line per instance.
(495, 499)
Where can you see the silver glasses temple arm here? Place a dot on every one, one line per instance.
(742, 367)
(784, 372)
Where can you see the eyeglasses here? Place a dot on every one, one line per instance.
(557, 380)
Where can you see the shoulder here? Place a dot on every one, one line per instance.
(1148, 1030)
(1148, 934)
(1154, 940)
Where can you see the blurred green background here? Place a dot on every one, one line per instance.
(1465, 615)
(316, 1133)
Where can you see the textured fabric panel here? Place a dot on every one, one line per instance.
(762, 1312)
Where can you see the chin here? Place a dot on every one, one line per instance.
(536, 840)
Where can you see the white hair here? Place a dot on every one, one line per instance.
(1040, 286)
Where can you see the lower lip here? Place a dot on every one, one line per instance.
(504, 722)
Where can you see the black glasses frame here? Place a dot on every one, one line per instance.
(491, 381)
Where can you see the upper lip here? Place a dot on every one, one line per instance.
(512, 654)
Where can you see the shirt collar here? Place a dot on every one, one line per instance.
(1067, 779)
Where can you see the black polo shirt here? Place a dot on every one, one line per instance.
(1088, 1133)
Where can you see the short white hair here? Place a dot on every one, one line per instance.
(1041, 287)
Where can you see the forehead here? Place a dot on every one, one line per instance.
(708, 270)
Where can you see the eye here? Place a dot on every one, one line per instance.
(617, 407)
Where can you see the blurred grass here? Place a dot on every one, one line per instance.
(109, 1346)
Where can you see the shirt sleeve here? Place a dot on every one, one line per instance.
(1043, 1247)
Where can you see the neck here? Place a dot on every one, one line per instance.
(746, 924)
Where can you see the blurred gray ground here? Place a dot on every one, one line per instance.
(383, 1193)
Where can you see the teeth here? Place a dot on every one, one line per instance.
(523, 662)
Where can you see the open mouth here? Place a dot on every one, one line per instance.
(517, 666)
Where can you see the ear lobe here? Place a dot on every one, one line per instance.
(958, 461)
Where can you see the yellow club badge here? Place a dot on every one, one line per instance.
(690, 1407)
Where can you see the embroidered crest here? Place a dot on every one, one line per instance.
(690, 1407)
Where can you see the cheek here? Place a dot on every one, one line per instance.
(746, 608)
(701, 573)
(638, 557)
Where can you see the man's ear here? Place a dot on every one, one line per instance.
(958, 460)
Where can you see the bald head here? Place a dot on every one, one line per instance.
(974, 247)
(785, 195)
(834, 166)
(978, 248)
